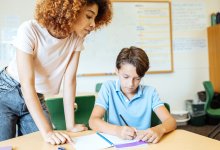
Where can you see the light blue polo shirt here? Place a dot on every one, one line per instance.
(136, 112)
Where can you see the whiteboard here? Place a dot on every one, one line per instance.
(142, 24)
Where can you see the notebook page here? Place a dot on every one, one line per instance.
(120, 143)
(90, 142)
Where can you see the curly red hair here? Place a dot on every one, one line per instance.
(60, 15)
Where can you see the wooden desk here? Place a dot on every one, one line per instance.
(176, 140)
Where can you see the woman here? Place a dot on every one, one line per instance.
(48, 51)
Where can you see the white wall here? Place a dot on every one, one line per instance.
(190, 67)
(190, 70)
(12, 14)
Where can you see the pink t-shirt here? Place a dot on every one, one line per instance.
(51, 55)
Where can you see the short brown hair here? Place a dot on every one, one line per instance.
(135, 56)
(61, 14)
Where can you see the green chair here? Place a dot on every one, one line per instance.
(98, 87)
(212, 113)
(154, 119)
(84, 107)
(56, 110)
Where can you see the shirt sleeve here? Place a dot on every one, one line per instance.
(156, 102)
(25, 38)
(103, 99)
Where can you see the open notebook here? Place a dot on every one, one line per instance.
(97, 142)
(6, 148)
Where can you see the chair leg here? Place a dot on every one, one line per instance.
(213, 131)
(215, 134)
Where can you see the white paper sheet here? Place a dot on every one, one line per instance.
(95, 142)
(90, 142)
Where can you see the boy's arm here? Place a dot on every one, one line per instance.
(154, 134)
(97, 123)
(168, 122)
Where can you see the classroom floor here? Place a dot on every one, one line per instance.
(202, 130)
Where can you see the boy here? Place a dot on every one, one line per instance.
(128, 102)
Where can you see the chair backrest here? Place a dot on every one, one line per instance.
(209, 93)
(56, 110)
(84, 109)
(98, 87)
(154, 119)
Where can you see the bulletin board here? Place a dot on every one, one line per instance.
(144, 24)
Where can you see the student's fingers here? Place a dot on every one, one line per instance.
(156, 140)
(61, 137)
(128, 137)
(126, 133)
(139, 136)
(151, 139)
(135, 130)
(131, 131)
(146, 137)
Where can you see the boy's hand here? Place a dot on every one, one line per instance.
(151, 135)
(127, 133)
(78, 128)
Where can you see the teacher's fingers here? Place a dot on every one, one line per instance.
(62, 138)
(67, 137)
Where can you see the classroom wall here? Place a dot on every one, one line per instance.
(190, 64)
(190, 53)
(12, 14)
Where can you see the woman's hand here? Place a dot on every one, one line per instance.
(57, 138)
(127, 133)
(151, 135)
(78, 128)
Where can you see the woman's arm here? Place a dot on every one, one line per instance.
(69, 92)
(97, 123)
(25, 67)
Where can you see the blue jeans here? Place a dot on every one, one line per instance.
(13, 110)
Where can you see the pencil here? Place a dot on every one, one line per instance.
(123, 120)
